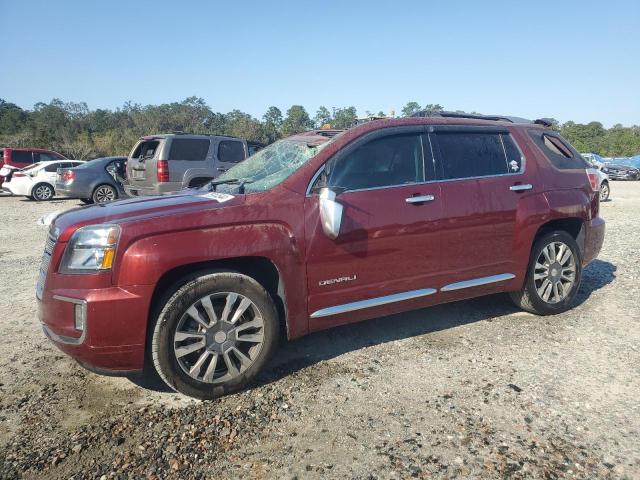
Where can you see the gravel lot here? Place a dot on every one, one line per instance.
(472, 389)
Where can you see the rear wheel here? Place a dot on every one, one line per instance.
(42, 191)
(104, 193)
(214, 335)
(604, 191)
(553, 277)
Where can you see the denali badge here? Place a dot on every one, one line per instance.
(331, 281)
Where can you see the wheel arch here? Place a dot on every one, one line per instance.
(574, 226)
(42, 182)
(261, 269)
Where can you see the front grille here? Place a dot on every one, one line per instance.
(44, 265)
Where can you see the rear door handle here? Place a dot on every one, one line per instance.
(420, 199)
(520, 188)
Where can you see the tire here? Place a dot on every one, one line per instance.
(183, 350)
(87, 201)
(604, 191)
(42, 192)
(104, 193)
(532, 297)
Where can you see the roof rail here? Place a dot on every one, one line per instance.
(475, 116)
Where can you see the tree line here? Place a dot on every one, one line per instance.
(78, 132)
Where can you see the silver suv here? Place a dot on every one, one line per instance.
(161, 164)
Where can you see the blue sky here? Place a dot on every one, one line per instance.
(572, 60)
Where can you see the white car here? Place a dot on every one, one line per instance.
(38, 181)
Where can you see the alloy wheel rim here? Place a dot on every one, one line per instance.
(105, 194)
(604, 192)
(43, 192)
(555, 272)
(218, 337)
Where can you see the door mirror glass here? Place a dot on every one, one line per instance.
(330, 213)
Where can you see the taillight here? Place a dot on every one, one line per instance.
(163, 171)
(68, 175)
(593, 179)
(17, 174)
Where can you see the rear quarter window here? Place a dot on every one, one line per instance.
(558, 151)
(230, 151)
(194, 149)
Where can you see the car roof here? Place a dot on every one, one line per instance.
(162, 136)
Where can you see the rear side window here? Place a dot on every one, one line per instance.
(19, 156)
(559, 153)
(230, 151)
(146, 149)
(55, 166)
(466, 154)
(515, 160)
(194, 149)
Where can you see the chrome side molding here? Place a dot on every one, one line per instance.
(400, 297)
(476, 282)
(373, 302)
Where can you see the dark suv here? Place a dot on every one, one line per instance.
(161, 164)
(314, 231)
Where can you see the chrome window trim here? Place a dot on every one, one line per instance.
(372, 302)
(523, 170)
(501, 277)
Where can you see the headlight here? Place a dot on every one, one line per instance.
(91, 249)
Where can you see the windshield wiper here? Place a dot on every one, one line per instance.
(230, 181)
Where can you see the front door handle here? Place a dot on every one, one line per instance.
(520, 188)
(420, 199)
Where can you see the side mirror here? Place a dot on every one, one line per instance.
(330, 213)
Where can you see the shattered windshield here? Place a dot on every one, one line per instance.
(270, 166)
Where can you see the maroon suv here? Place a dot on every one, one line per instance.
(12, 159)
(317, 230)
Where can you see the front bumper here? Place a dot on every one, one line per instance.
(114, 333)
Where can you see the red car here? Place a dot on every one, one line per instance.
(16, 158)
(320, 229)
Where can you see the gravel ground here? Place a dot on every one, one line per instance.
(472, 389)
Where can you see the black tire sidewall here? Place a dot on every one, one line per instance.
(537, 302)
(608, 192)
(35, 196)
(95, 191)
(163, 355)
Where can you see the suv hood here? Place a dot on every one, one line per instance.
(140, 208)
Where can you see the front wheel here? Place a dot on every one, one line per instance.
(553, 276)
(214, 335)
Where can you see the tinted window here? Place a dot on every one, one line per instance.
(386, 161)
(146, 149)
(189, 149)
(514, 157)
(45, 157)
(559, 153)
(230, 151)
(466, 154)
(54, 166)
(18, 156)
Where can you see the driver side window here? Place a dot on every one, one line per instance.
(383, 162)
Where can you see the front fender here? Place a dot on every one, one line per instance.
(147, 259)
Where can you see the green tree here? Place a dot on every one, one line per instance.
(410, 108)
(323, 117)
(343, 117)
(296, 121)
(272, 124)
(433, 108)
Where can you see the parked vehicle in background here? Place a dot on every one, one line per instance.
(160, 164)
(12, 159)
(96, 181)
(621, 172)
(38, 181)
(318, 230)
(603, 179)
